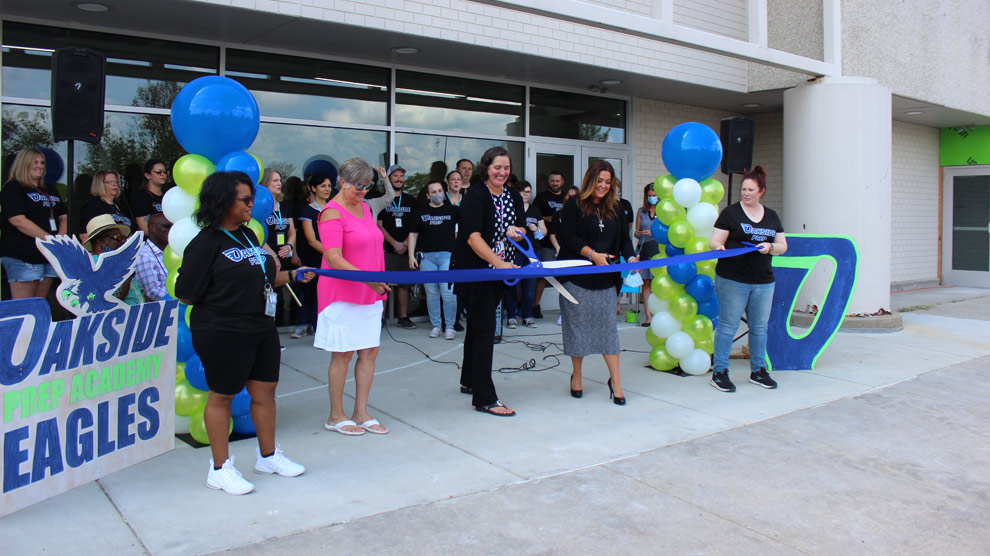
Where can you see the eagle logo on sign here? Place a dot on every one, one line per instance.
(88, 286)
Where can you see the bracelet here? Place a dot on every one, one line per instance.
(590, 253)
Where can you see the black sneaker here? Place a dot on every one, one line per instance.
(720, 381)
(497, 339)
(404, 322)
(537, 312)
(458, 327)
(762, 378)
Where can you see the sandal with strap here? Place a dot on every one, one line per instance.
(490, 409)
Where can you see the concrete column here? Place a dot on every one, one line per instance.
(837, 178)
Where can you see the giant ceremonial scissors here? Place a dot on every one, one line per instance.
(535, 262)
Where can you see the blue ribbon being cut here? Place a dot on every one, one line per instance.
(532, 270)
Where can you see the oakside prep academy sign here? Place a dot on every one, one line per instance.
(85, 397)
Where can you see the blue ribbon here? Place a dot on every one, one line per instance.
(528, 271)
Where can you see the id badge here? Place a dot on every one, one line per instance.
(51, 225)
(271, 301)
(398, 222)
(280, 238)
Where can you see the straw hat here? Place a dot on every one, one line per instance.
(99, 224)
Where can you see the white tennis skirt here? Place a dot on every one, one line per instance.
(344, 326)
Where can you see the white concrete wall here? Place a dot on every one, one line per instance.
(915, 206)
(793, 26)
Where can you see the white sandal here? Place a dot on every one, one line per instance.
(339, 427)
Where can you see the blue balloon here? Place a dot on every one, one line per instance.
(213, 115)
(319, 164)
(682, 273)
(184, 347)
(241, 403)
(240, 161)
(54, 167)
(659, 231)
(709, 308)
(195, 374)
(243, 424)
(264, 204)
(672, 251)
(691, 150)
(700, 287)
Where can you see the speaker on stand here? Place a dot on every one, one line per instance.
(78, 95)
(737, 148)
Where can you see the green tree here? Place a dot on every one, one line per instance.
(589, 132)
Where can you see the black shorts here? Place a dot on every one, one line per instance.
(397, 262)
(230, 360)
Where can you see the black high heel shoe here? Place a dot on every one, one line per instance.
(611, 395)
(576, 393)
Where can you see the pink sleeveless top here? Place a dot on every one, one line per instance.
(360, 242)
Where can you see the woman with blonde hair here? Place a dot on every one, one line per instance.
(29, 209)
(105, 190)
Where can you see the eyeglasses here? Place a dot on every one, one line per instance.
(362, 187)
(245, 200)
(159, 172)
(119, 238)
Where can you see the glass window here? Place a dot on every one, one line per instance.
(431, 157)
(140, 71)
(574, 116)
(970, 214)
(309, 89)
(426, 101)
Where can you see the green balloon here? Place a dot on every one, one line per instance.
(680, 233)
(712, 191)
(696, 245)
(665, 288)
(170, 259)
(188, 400)
(683, 306)
(187, 316)
(652, 338)
(170, 282)
(707, 267)
(258, 229)
(668, 211)
(661, 360)
(658, 270)
(708, 344)
(664, 186)
(190, 171)
(180, 372)
(699, 327)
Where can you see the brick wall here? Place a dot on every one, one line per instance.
(915, 208)
(728, 18)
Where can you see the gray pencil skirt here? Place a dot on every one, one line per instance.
(589, 327)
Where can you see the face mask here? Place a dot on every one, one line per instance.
(437, 198)
(653, 200)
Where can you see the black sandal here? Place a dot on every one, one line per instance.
(466, 390)
(488, 409)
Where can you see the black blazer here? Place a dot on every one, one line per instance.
(477, 214)
(576, 232)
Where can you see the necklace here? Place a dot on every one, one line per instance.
(601, 223)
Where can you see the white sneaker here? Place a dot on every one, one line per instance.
(530, 322)
(299, 332)
(559, 321)
(511, 324)
(435, 333)
(228, 478)
(449, 334)
(277, 463)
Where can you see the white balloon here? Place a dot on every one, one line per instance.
(687, 192)
(702, 217)
(664, 324)
(177, 204)
(696, 363)
(182, 424)
(679, 345)
(181, 234)
(657, 305)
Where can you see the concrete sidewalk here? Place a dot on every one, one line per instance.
(881, 449)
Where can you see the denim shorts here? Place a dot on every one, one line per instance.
(20, 271)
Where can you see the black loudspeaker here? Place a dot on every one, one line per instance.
(737, 145)
(79, 78)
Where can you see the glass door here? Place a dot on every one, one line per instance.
(966, 226)
(544, 159)
(618, 158)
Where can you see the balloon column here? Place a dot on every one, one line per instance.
(683, 301)
(215, 119)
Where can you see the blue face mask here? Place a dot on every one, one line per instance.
(653, 200)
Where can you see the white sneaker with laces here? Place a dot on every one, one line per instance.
(511, 324)
(299, 332)
(530, 322)
(277, 463)
(435, 333)
(449, 334)
(228, 478)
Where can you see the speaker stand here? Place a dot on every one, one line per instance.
(70, 185)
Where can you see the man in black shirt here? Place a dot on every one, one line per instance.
(395, 221)
(549, 202)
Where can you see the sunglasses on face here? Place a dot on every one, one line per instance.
(245, 200)
(362, 187)
(159, 172)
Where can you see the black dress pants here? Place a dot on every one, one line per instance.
(480, 300)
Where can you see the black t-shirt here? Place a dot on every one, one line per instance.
(399, 211)
(37, 205)
(549, 202)
(307, 255)
(146, 203)
(278, 228)
(625, 207)
(97, 206)
(754, 267)
(225, 281)
(435, 226)
(534, 216)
